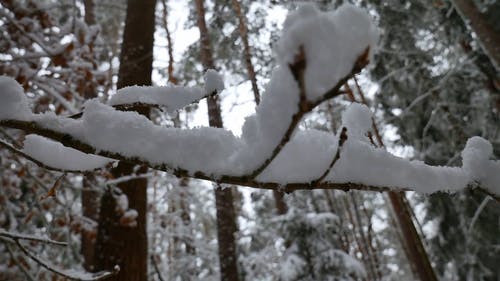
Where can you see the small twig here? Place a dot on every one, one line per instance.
(342, 139)
(92, 277)
(478, 212)
(52, 191)
(16, 236)
(18, 263)
(157, 269)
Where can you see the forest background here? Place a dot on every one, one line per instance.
(432, 84)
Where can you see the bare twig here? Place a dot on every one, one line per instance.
(156, 268)
(67, 274)
(17, 236)
(18, 263)
(342, 139)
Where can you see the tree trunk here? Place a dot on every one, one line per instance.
(416, 254)
(120, 244)
(90, 197)
(171, 78)
(242, 27)
(90, 210)
(226, 220)
(487, 32)
(89, 12)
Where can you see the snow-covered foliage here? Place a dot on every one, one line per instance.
(313, 253)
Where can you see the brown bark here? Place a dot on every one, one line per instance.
(243, 30)
(171, 78)
(226, 220)
(279, 201)
(90, 197)
(89, 12)
(416, 253)
(488, 34)
(120, 244)
(186, 219)
(90, 210)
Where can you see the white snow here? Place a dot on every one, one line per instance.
(55, 155)
(477, 164)
(129, 218)
(263, 131)
(213, 82)
(133, 135)
(357, 118)
(361, 163)
(291, 267)
(332, 42)
(172, 97)
(121, 203)
(14, 104)
(315, 149)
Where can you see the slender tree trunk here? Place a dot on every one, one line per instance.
(120, 244)
(90, 210)
(90, 197)
(226, 220)
(486, 31)
(242, 27)
(280, 203)
(416, 253)
(170, 69)
(89, 12)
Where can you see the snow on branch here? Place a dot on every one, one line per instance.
(317, 53)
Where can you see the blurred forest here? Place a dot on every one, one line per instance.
(434, 82)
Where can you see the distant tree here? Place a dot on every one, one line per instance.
(121, 242)
(226, 218)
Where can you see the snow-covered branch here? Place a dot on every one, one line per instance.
(317, 53)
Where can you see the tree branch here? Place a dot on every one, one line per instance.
(11, 148)
(67, 274)
(297, 69)
(16, 236)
